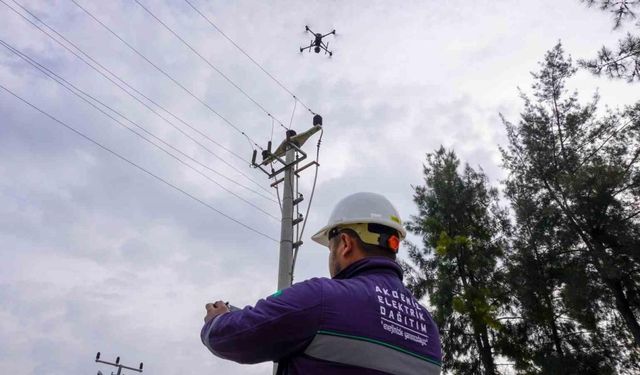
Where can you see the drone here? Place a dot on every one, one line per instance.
(317, 43)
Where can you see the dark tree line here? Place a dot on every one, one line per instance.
(551, 286)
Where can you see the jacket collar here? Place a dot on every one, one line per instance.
(370, 265)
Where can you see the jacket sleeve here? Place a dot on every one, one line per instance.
(276, 328)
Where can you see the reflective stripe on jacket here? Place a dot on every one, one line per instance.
(363, 321)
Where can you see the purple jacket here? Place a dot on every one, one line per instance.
(363, 321)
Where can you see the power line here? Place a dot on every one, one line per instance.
(236, 128)
(210, 64)
(137, 166)
(250, 58)
(315, 180)
(113, 74)
(306, 215)
(596, 134)
(622, 127)
(135, 90)
(295, 104)
(271, 138)
(59, 80)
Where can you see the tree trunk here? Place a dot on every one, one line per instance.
(479, 327)
(487, 355)
(615, 286)
(556, 338)
(622, 304)
(554, 327)
(548, 298)
(592, 242)
(484, 349)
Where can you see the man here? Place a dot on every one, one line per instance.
(361, 321)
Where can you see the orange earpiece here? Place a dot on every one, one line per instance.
(394, 243)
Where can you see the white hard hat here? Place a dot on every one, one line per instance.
(361, 208)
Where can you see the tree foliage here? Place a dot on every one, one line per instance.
(623, 61)
(553, 285)
(574, 182)
(462, 229)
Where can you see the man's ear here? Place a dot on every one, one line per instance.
(349, 245)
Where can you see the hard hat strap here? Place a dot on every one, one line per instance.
(372, 234)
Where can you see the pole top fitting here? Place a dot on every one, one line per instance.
(317, 120)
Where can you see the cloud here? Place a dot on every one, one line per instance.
(99, 256)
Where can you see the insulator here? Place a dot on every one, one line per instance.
(317, 120)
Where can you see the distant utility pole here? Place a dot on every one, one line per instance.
(291, 150)
(290, 147)
(118, 365)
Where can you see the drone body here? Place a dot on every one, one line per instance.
(316, 43)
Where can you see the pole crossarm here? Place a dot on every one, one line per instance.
(278, 181)
(294, 141)
(118, 364)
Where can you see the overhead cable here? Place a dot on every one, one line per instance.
(201, 101)
(619, 129)
(271, 138)
(61, 123)
(66, 84)
(250, 58)
(295, 104)
(306, 215)
(208, 63)
(113, 74)
(135, 90)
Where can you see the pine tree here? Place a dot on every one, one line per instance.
(462, 229)
(551, 299)
(584, 167)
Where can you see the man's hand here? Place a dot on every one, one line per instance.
(215, 309)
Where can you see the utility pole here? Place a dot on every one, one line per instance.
(118, 365)
(291, 150)
(286, 223)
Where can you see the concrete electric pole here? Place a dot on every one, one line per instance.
(286, 223)
(291, 150)
(118, 365)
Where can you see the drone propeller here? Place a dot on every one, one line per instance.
(327, 50)
(307, 30)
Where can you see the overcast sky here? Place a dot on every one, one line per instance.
(97, 255)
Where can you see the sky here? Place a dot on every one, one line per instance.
(99, 255)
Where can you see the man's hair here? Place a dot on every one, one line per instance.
(369, 250)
